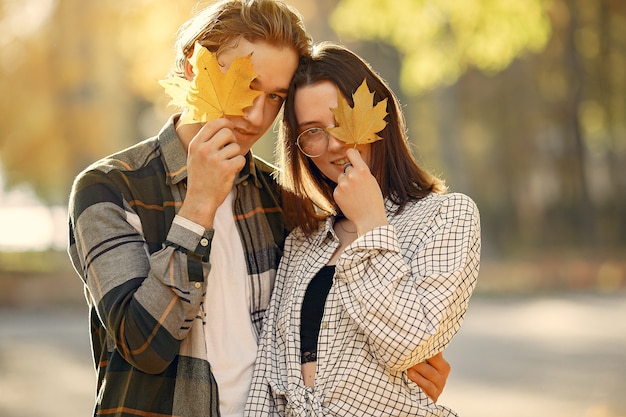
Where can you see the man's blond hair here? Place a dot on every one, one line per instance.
(221, 24)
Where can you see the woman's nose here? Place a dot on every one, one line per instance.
(335, 144)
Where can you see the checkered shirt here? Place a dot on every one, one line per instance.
(399, 295)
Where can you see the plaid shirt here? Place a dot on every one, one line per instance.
(399, 295)
(144, 275)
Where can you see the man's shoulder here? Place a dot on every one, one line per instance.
(143, 155)
(129, 159)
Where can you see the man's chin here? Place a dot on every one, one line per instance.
(246, 142)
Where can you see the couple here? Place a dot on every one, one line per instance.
(178, 241)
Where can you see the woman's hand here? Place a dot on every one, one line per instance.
(358, 195)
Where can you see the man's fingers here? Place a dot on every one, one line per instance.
(431, 376)
(213, 135)
(429, 373)
(440, 364)
(426, 385)
(208, 130)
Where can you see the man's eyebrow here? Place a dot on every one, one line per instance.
(255, 84)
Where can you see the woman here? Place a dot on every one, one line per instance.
(377, 276)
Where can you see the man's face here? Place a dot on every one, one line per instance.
(275, 67)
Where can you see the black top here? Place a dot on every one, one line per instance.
(312, 312)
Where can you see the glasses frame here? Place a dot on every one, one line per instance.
(326, 137)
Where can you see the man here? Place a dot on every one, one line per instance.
(177, 239)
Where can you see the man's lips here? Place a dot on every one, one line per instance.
(245, 132)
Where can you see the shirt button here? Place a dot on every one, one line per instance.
(324, 325)
(197, 285)
(204, 242)
(244, 183)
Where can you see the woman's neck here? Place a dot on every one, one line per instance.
(346, 233)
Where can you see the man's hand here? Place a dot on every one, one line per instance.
(431, 376)
(213, 161)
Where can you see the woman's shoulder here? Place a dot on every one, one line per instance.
(458, 201)
(443, 205)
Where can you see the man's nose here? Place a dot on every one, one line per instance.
(254, 113)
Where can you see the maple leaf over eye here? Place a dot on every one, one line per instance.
(359, 124)
(212, 94)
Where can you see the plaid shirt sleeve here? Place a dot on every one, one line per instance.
(146, 301)
(411, 302)
(143, 271)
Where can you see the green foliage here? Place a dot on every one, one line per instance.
(440, 39)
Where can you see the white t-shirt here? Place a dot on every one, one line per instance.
(230, 338)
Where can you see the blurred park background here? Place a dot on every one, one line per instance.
(519, 104)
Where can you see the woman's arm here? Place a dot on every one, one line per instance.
(411, 308)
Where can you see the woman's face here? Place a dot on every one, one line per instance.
(312, 104)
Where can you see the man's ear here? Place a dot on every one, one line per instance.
(189, 74)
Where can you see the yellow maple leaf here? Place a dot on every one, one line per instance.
(359, 124)
(212, 94)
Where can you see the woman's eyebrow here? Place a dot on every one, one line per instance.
(308, 124)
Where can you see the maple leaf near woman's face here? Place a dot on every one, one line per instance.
(212, 93)
(359, 124)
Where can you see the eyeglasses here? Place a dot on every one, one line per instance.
(313, 142)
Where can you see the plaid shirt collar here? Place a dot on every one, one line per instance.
(175, 157)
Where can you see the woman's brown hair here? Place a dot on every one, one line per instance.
(310, 193)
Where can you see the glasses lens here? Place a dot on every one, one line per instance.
(313, 142)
